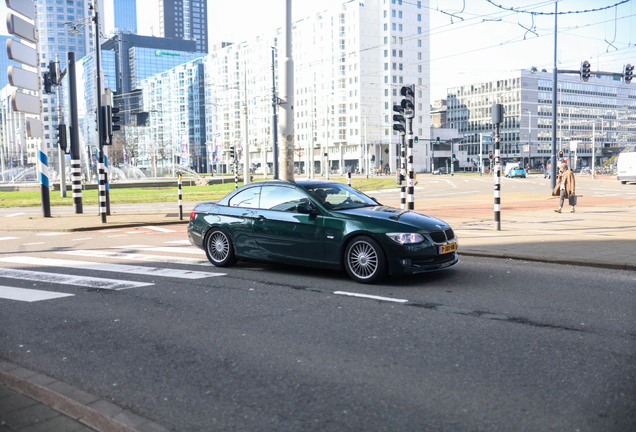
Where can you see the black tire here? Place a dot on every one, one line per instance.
(623, 182)
(364, 260)
(219, 248)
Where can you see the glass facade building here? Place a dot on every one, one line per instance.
(146, 62)
(125, 12)
(599, 113)
(185, 19)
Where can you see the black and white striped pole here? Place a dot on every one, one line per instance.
(180, 197)
(409, 113)
(349, 178)
(399, 125)
(76, 167)
(497, 119)
(402, 174)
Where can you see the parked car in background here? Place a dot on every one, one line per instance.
(626, 167)
(440, 171)
(517, 172)
(320, 224)
(548, 170)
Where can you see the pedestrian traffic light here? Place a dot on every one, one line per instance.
(490, 155)
(232, 152)
(61, 137)
(399, 123)
(454, 158)
(437, 140)
(115, 119)
(585, 71)
(628, 73)
(415, 140)
(561, 153)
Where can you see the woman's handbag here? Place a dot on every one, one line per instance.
(572, 200)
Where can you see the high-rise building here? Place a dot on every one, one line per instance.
(125, 13)
(185, 19)
(597, 115)
(350, 63)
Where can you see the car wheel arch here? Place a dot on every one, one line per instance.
(346, 241)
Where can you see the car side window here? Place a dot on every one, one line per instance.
(247, 198)
(281, 198)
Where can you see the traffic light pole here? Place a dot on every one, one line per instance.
(497, 119)
(76, 167)
(60, 121)
(402, 175)
(100, 125)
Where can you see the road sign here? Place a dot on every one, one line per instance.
(21, 28)
(25, 7)
(25, 103)
(34, 128)
(22, 53)
(23, 78)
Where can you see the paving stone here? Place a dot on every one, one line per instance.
(14, 403)
(40, 379)
(105, 407)
(29, 416)
(57, 424)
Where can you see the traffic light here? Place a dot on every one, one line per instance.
(47, 84)
(232, 152)
(561, 153)
(53, 73)
(437, 140)
(399, 123)
(454, 158)
(115, 119)
(490, 155)
(415, 140)
(408, 101)
(372, 158)
(628, 73)
(585, 71)
(61, 137)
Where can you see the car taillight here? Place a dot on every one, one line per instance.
(193, 214)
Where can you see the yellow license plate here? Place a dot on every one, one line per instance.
(452, 247)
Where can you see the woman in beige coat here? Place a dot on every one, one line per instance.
(565, 186)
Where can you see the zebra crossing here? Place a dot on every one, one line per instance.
(57, 271)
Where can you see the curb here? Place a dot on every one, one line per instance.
(111, 418)
(563, 261)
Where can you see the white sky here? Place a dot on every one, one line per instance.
(473, 50)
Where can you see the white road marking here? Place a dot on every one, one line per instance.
(179, 242)
(450, 183)
(136, 257)
(118, 235)
(14, 215)
(8, 238)
(156, 228)
(169, 249)
(64, 279)
(370, 297)
(87, 238)
(29, 295)
(52, 234)
(30, 244)
(118, 268)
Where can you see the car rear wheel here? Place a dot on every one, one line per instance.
(219, 248)
(364, 260)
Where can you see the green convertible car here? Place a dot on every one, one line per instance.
(320, 224)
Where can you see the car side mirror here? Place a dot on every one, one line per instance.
(304, 208)
(375, 199)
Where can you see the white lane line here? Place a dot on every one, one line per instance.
(30, 244)
(118, 235)
(53, 234)
(8, 238)
(137, 257)
(29, 295)
(179, 242)
(169, 249)
(14, 215)
(450, 183)
(159, 229)
(137, 232)
(370, 297)
(117, 268)
(87, 238)
(64, 279)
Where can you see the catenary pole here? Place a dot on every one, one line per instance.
(286, 73)
(76, 162)
(554, 102)
(274, 121)
(497, 119)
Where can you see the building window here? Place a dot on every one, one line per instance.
(419, 17)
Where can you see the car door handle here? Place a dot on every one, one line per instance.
(261, 217)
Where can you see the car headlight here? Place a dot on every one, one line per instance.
(406, 238)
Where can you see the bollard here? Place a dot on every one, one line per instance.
(349, 179)
(180, 196)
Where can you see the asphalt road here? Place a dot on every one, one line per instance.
(493, 345)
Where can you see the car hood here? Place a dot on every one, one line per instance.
(419, 221)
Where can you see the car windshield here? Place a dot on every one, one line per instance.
(336, 196)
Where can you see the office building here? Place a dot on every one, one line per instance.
(125, 14)
(185, 19)
(599, 113)
(350, 63)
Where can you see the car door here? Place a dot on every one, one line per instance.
(281, 232)
(238, 218)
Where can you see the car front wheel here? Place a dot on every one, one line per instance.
(364, 260)
(219, 248)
